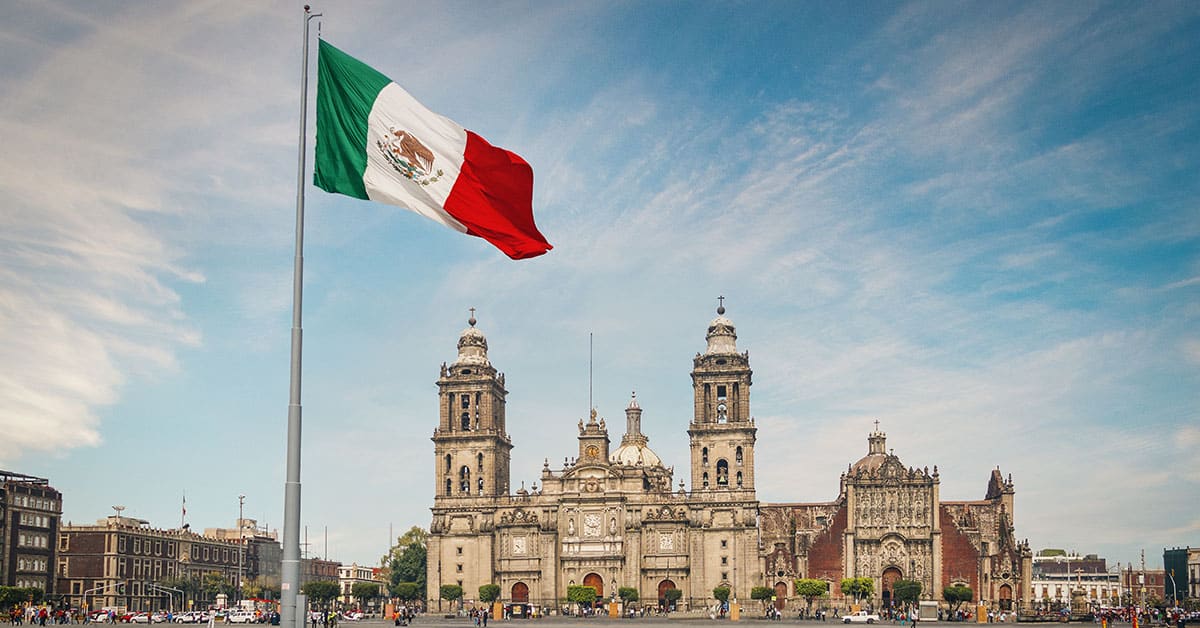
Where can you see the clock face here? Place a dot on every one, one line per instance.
(591, 525)
(592, 451)
(518, 545)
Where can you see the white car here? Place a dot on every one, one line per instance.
(861, 617)
(242, 617)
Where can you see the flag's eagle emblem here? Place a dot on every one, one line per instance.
(408, 156)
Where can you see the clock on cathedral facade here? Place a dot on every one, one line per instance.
(610, 519)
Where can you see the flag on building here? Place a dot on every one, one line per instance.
(376, 142)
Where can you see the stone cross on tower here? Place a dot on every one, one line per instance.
(876, 425)
(721, 305)
(472, 319)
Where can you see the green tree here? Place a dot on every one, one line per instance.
(320, 592)
(406, 591)
(365, 592)
(489, 592)
(19, 595)
(581, 594)
(406, 561)
(214, 584)
(858, 588)
(810, 589)
(451, 592)
(762, 594)
(627, 594)
(957, 594)
(906, 591)
(721, 593)
(672, 596)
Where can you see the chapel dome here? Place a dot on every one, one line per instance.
(876, 454)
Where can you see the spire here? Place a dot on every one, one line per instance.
(633, 422)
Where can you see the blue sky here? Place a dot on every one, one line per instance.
(977, 223)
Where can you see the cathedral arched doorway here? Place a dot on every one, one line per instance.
(663, 587)
(889, 578)
(520, 593)
(596, 582)
(780, 595)
(1005, 597)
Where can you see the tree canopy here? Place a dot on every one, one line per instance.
(406, 561)
(364, 591)
(672, 594)
(956, 594)
(858, 588)
(627, 594)
(320, 591)
(721, 593)
(581, 593)
(810, 589)
(906, 591)
(406, 591)
(489, 592)
(20, 595)
(451, 592)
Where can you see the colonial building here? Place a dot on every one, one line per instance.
(121, 561)
(610, 518)
(1058, 577)
(30, 512)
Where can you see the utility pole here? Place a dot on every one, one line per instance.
(241, 543)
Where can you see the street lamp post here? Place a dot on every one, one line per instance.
(241, 544)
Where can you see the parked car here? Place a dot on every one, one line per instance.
(861, 617)
(243, 617)
(138, 618)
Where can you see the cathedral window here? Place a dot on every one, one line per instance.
(738, 455)
(480, 459)
(724, 543)
(722, 413)
(706, 479)
(466, 421)
(448, 463)
(466, 401)
(722, 472)
(464, 478)
(724, 560)
(704, 455)
(449, 486)
(481, 486)
(721, 392)
(739, 478)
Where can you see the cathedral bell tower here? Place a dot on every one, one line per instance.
(722, 433)
(471, 446)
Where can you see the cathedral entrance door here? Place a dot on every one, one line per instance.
(890, 576)
(1005, 597)
(780, 595)
(662, 594)
(596, 582)
(520, 593)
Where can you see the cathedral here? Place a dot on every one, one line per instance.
(612, 518)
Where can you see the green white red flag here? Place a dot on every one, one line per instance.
(376, 142)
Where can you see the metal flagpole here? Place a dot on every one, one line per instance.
(290, 573)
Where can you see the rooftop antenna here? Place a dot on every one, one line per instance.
(590, 405)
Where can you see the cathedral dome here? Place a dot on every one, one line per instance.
(721, 336)
(472, 346)
(636, 454)
(634, 449)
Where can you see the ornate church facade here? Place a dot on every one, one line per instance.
(610, 518)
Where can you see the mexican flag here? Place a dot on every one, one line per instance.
(376, 142)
